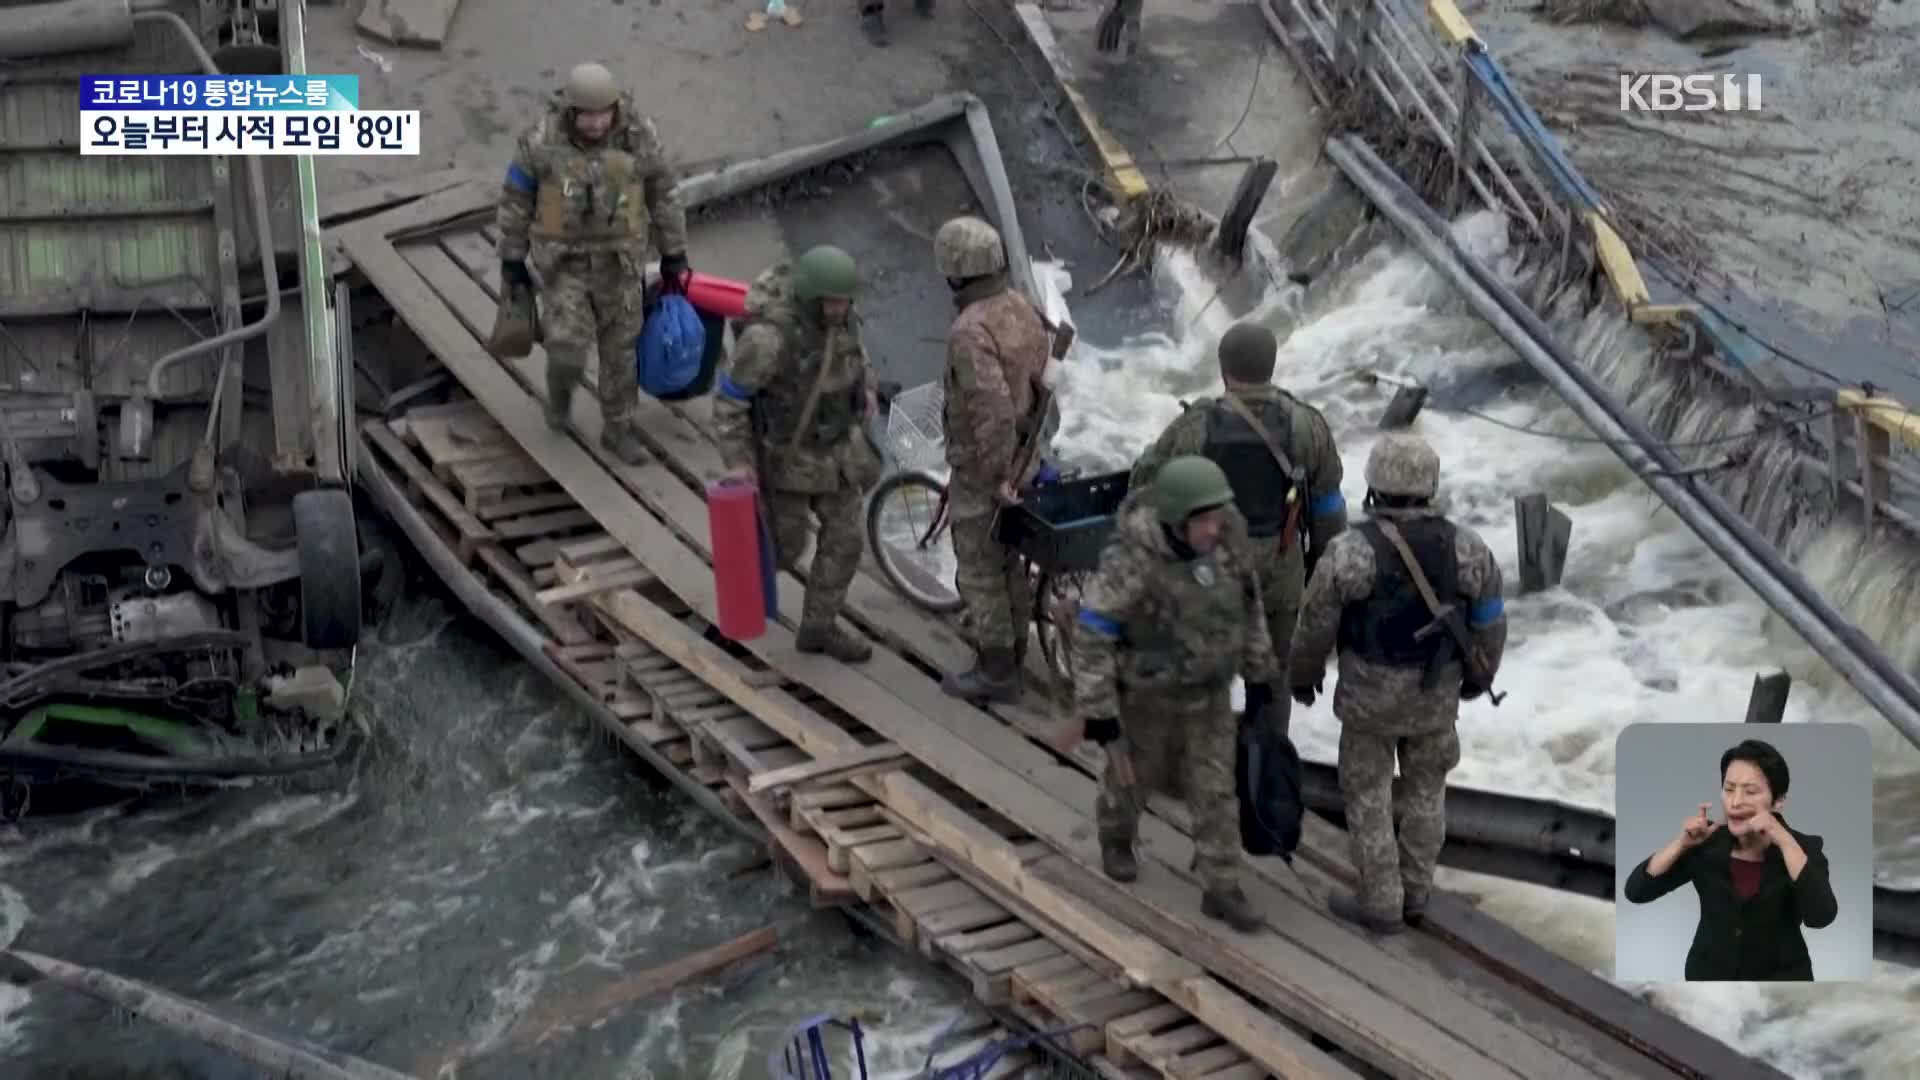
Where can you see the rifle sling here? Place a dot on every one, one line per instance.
(1440, 611)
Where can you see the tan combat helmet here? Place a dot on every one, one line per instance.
(591, 87)
(1403, 465)
(967, 247)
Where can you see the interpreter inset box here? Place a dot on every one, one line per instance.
(1743, 853)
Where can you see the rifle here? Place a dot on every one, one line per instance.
(1445, 617)
(1036, 435)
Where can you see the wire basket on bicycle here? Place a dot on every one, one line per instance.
(916, 430)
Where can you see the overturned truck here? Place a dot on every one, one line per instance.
(180, 564)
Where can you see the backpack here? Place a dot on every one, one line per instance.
(1267, 780)
(670, 360)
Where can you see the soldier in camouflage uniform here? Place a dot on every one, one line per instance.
(1400, 689)
(1275, 502)
(1172, 615)
(589, 195)
(790, 412)
(996, 355)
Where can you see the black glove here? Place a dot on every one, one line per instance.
(1304, 693)
(673, 273)
(514, 272)
(1259, 697)
(1103, 729)
(1471, 690)
(1112, 22)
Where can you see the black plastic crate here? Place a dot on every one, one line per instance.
(1061, 527)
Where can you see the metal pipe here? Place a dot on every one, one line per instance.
(523, 638)
(29, 31)
(1721, 527)
(262, 231)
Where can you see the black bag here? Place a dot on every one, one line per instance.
(1267, 781)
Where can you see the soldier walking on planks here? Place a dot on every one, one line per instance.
(588, 194)
(1171, 616)
(1414, 604)
(997, 355)
(790, 411)
(873, 18)
(1119, 27)
(1278, 454)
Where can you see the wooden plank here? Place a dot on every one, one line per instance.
(830, 798)
(419, 24)
(593, 586)
(524, 504)
(1160, 1050)
(542, 524)
(991, 972)
(1191, 1066)
(564, 627)
(804, 851)
(471, 531)
(517, 470)
(520, 414)
(928, 899)
(458, 440)
(955, 920)
(587, 549)
(837, 767)
(896, 879)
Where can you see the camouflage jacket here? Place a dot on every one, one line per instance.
(997, 353)
(1154, 624)
(1380, 699)
(781, 353)
(1310, 447)
(561, 198)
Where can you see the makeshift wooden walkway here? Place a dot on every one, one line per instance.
(958, 825)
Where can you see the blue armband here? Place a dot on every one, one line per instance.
(1486, 611)
(1099, 623)
(733, 391)
(520, 179)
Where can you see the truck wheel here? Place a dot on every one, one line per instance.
(329, 568)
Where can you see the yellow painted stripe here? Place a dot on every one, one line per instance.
(1123, 177)
(1452, 24)
(1885, 413)
(1617, 262)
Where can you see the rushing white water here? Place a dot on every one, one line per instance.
(1648, 625)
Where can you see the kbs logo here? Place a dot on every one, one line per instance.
(1689, 93)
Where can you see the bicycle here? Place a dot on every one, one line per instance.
(1057, 529)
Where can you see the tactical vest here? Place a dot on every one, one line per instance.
(591, 197)
(1381, 628)
(1193, 629)
(1259, 487)
(842, 402)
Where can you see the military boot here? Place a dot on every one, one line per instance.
(873, 23)
(1231, 906)
(1413, 910)
(992, 678)
(834, 640)
(621, 438)
(1116, 858)
(1348, 906)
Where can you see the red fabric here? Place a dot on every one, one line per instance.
(1746, 877)
(733, 523)
(717, 295)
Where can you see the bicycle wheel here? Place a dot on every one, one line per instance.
(1056, 603)
(907, 533)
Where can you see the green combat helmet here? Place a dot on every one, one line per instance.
(968, 247)
(825, 273)
(1403, 465)
(1188, 485)
(591, 87)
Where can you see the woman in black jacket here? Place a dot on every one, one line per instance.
(1758, 881)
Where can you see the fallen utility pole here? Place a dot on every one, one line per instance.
(197, 1022)
(1718, 524)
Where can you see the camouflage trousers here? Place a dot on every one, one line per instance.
(1182, 746)
(594, 301)
(1396, 874)
(1282, 582)
(836, 555)
(991, 579)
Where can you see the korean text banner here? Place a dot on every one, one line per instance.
(220, 93)
(369, 133)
